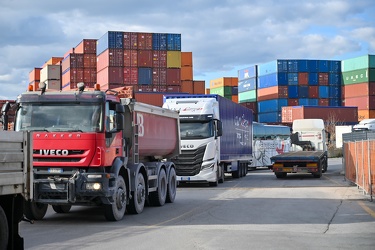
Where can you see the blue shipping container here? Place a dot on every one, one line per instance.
(248, 72)
(323, 92)
(273, 105)
(303, 91)
(174, 42)
(313, 66)
(292, 66)
(159, 41)
(293, 91)
(303, 66)
(273, 67)
(303, 101)
(335, 66)
(292, 78)
(323, 66)
(235, 90)
(334, 102)
(246, 85)
(313, 102)
(271, 80)
(334, 79)
(145, 76)
(110, 40)
(334, 91)
(270, 117)
(313, 79)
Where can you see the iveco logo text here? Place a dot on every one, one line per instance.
(53, 152)
(187, 146)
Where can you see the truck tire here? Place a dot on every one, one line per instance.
(222, 174)
(116, 210)
(159, 197)
(4, 230)
(35, 210)
(61, 209)
(280, 175)
(172, 186)
(137, 202)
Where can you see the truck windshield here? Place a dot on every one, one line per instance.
(59, 117)
(196, 130)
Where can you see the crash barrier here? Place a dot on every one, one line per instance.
(359, 164)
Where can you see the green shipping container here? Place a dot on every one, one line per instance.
(223, 91)
(247, 96)
(358, 76)
(362, 62)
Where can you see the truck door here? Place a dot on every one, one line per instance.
(113, 136)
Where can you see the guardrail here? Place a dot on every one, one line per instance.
(359, 164)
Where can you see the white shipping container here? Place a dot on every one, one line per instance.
(53, 84)
(50, 72)
(339, 130)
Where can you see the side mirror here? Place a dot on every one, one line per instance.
(219, 128)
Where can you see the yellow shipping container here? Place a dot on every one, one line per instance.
(174, 59)
(223, 82)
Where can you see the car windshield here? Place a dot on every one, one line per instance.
(196, 130)
(59, 117)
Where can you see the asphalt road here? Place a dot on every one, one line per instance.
(254, 212)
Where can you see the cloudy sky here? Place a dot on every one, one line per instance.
(224, 36)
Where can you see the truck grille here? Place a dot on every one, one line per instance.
(189, 162)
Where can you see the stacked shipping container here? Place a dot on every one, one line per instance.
(296, 82)
(358, 76)
(247, 82)
(226, 87)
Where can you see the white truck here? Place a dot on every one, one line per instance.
(16, 178)
(216, 138)
(309, 150)
(366, 124)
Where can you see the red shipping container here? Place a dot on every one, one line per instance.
(145, 58)
(340, 114)
(73, 60)
(159, 58)
(143, 88)
(173, 76)
(303, 78)
(130, 58)
(130, 75)
(251, 105)
(89, 75)
(89, 61)
(323, 102)
(187, 87)
(145, 41)
(151, 98)
(86, 46)
(359, 89)
(72, 75)
(313, 91)
(199, 87)
(362, 102)
(162, 88)
(272, 93)
(173, 88)
(323, 79)
(111, 86)
(111, 75)
(292, 102)
(110, 58)
(130, 40)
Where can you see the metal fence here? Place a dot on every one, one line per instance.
(359, 161)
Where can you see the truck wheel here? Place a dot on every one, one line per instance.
(116, 210)
(137, 202)
(222, 176)
(35, 210)
(61, 209)
(160, 195)
(172, 186)
(4, 230)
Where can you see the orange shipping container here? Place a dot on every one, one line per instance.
(235, 98)
(187, 87)
(362, 102)
(366, 114)
(54, 60)
(199, 87)
(272, 93)
(207, 91)
(34, 75)
(187, 59)
(152, 98)
(187, 73)
(303, 78)
(358, 89)
(86, 46)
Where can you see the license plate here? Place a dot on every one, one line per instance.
(55, 170)
(287, 170)
(185, 178)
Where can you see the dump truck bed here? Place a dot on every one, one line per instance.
(298, 156)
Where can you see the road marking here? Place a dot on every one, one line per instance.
(367, 209)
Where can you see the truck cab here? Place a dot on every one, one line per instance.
(365, 125)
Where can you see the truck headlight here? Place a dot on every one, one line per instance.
(93, 186)
(209, 166)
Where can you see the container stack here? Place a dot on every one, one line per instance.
(226, 87)
(34, 78)
(296, 83)
(51, 75)
(358, 76)
(247, 82)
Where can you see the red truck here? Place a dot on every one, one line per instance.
(98, 148)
